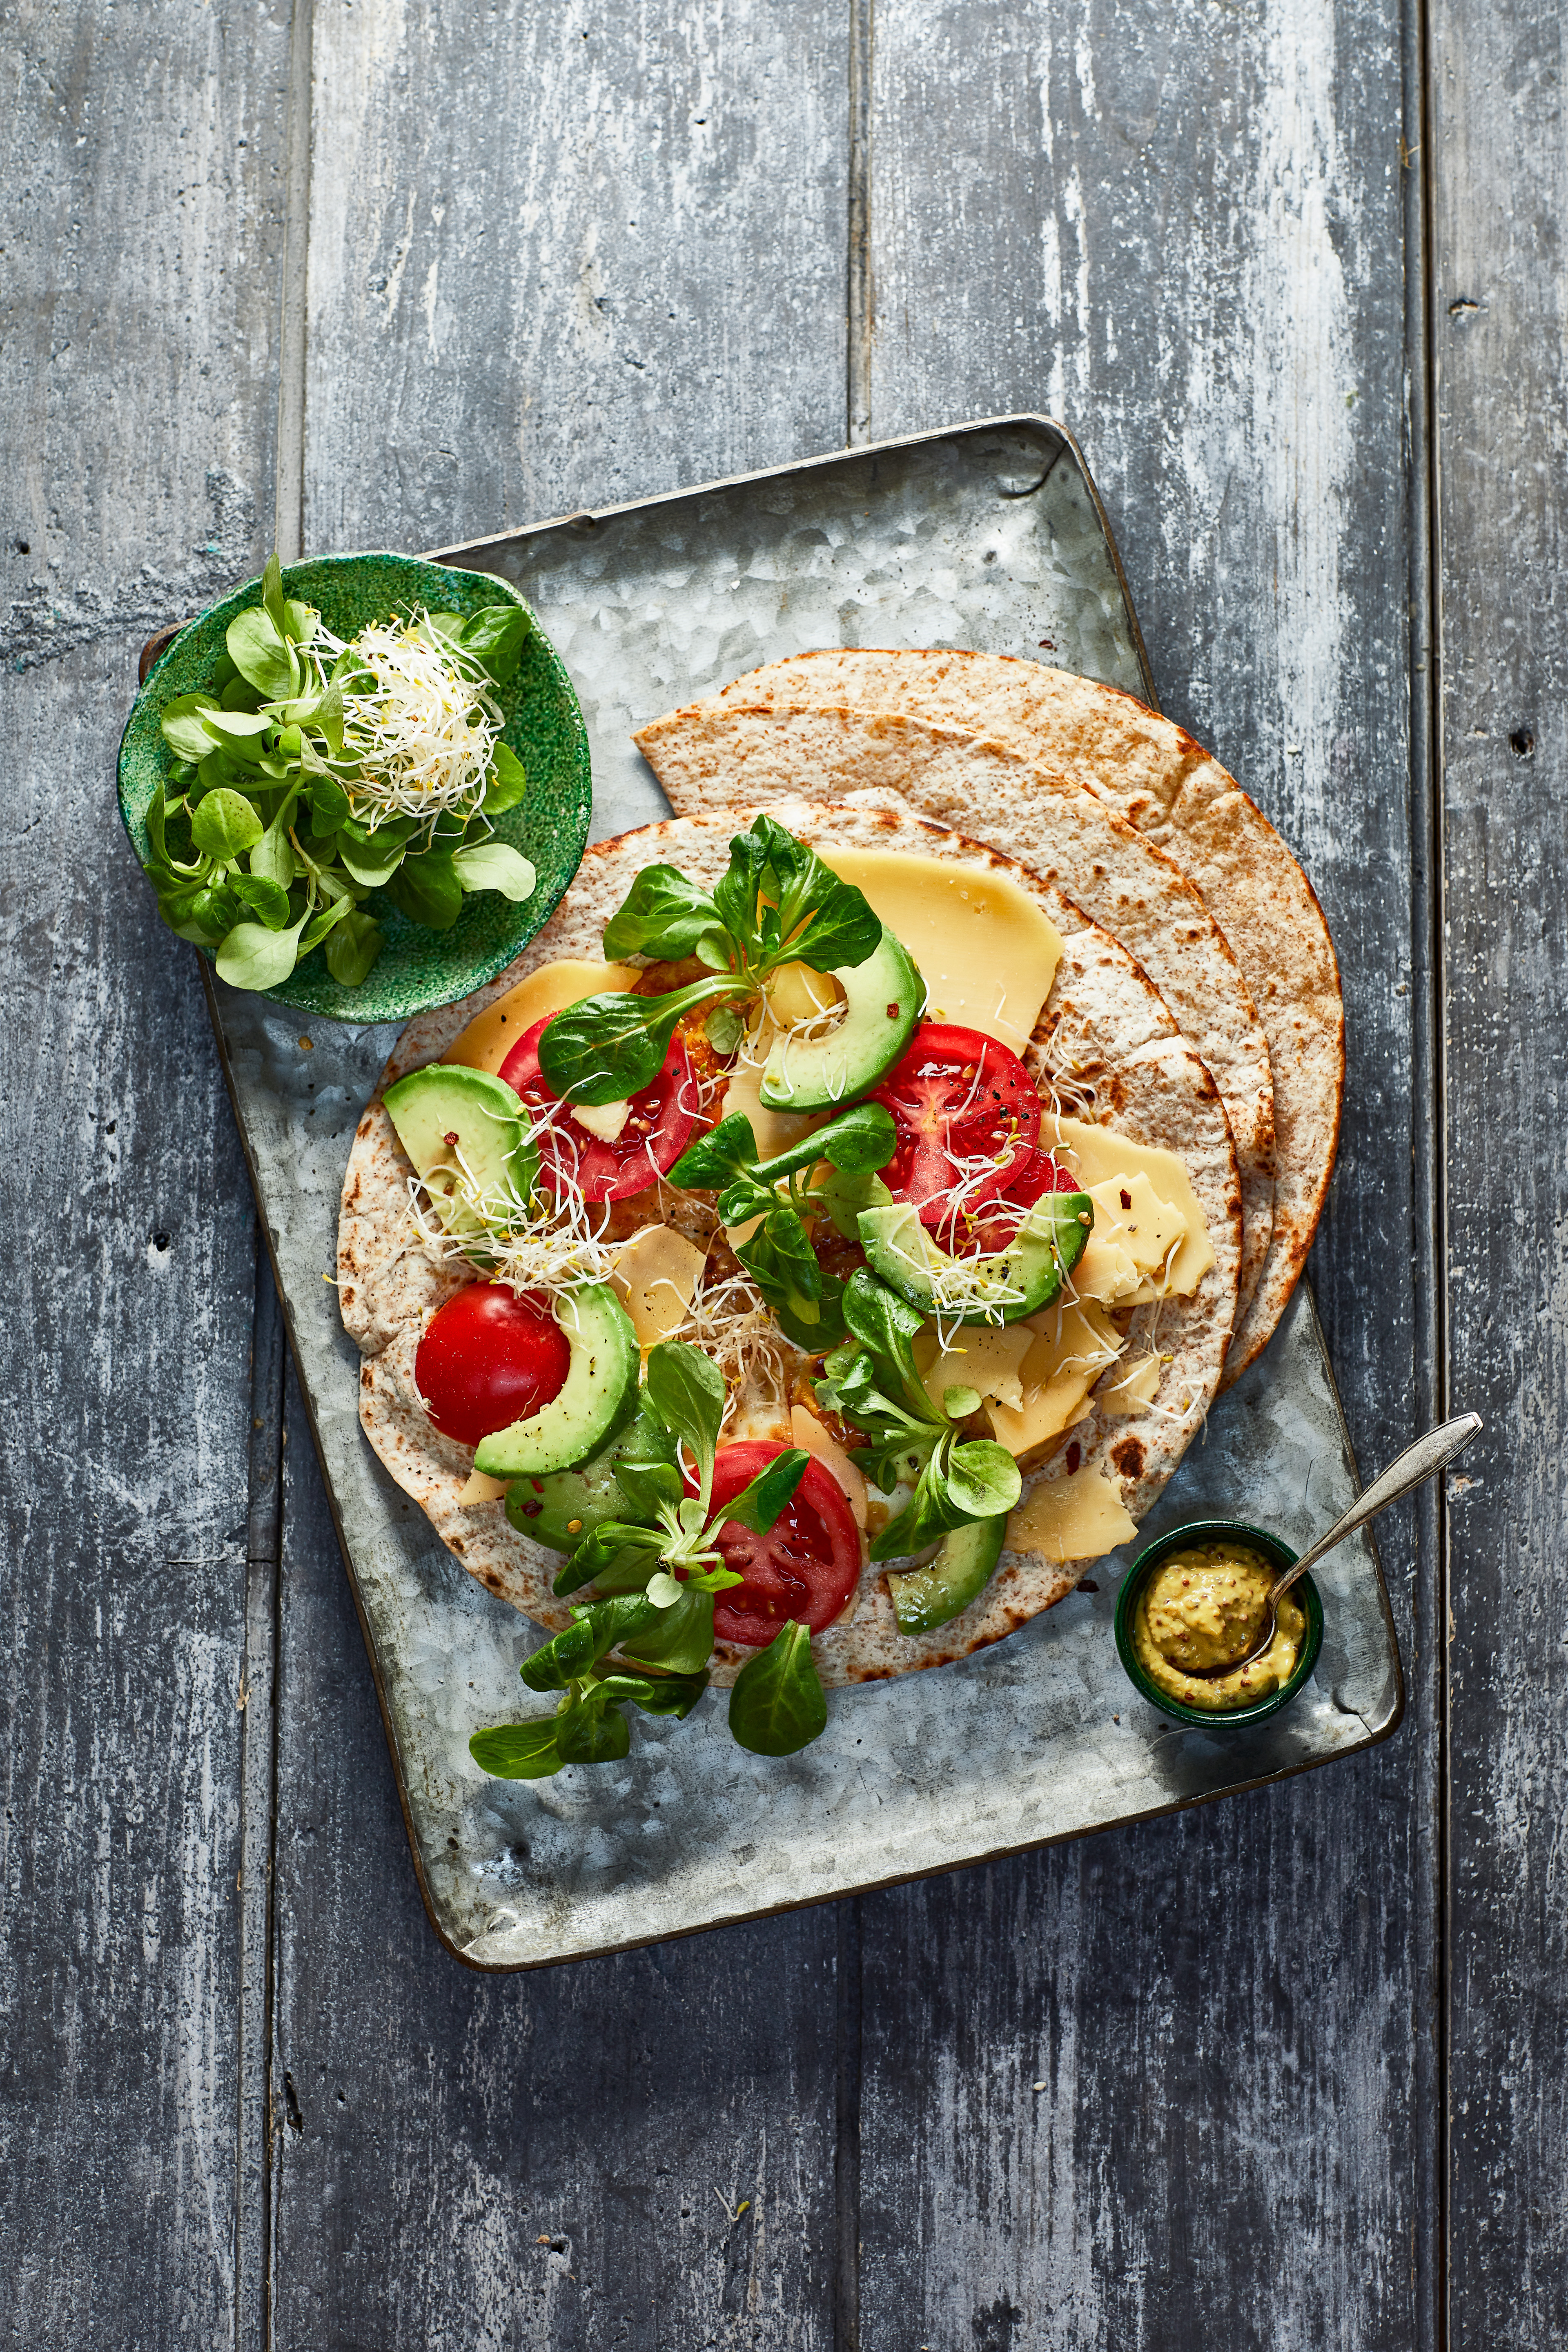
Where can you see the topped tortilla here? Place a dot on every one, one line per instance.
(724, 753)
(1153, 773)
(1106, 1051)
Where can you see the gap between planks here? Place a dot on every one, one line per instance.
(259, 1780)
(1430, 1239)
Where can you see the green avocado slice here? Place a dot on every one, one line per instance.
(924, 1598)
(465, 1132)
(1003, 1288)
(559, 1507)
(883, 999)
(601, 1378)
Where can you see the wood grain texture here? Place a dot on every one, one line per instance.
(137, 282)
(592, 253)
(1500, 199)
(1187, 242)
(558, 2159)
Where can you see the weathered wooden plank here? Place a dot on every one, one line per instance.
(587, 258)
(582, 258)
(1499, 198)
(140, 152)
(636, 2151)
(1183, 235)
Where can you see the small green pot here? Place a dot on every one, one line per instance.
(1217, 1718)
(416, 968)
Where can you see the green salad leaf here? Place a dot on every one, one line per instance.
(655, 1574)
(873, 1381)
(777, 1706)
(276, 822)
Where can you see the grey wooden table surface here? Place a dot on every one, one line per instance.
(1290, 2072)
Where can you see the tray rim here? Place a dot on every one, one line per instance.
(586, 517)
(1376, 1731)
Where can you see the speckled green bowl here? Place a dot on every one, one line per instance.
(415, 968)
(1217, 1718)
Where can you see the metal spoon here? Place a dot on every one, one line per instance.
(1412, 1468)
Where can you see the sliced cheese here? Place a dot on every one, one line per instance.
(987, 1360)
(1080, 1516)
(1106, 1272)
(489, 1037)
(808, 1430)
(1136, 1236)
(1071, 1347)
(603, 1119)
(1132, 1389)
(797, 994)
(1098, 1154)
(985, 952)
(776, 1130)
(656, 1276)
(481, 1488)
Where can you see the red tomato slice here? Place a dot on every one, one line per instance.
(958, 1099)
(995, 1228)
(805, 1566)
(488, 1358)
(658, 1129)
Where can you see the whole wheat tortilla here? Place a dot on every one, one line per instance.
(1132, 1070)
(722, 753)
(1168, 786)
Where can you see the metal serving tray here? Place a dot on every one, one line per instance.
(989, 535)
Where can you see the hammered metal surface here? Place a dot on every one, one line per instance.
(1040, 1738)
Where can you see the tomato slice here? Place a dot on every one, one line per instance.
(968, 1122)
(995, 1228)
(658, 1129)
(488, 1358)
(805, 1566)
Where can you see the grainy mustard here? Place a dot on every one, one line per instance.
(1206, 1606)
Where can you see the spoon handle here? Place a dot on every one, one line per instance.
(1411, 1468)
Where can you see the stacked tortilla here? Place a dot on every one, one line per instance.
(1133, 821)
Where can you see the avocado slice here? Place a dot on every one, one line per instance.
(559, 1507)
(444, 1110)
(600, 1379)
(1001, 1288)
(924, 1598)
(883, 1001)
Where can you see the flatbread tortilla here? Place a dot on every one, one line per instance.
(1132, 1070)
(1154, 774)
(722, 753)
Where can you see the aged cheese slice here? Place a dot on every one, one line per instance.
(1105, 1272)
(776, 1130)
(603, 1119)
(1071, 1347)
(481, 1488)
(489, 1037)
(1136, 1236)
(1097, 1154)
(795, 992)
(808, 1430)
(656, 1276)
(985, 952)
(1134, 1388)
(990, 1361)
(1080, 1517)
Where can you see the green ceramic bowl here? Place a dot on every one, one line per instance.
(415, 968)
(1217, 1718)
